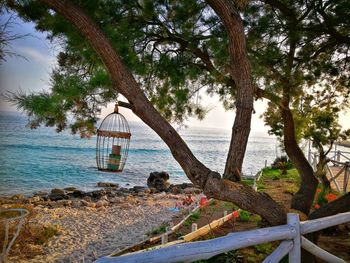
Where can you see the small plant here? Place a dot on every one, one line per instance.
(265, 248)
(282, 163)
(244, 216)
(194, 216)
(158, 230)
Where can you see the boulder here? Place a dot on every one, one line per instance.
(57, 191)
(78, 193)
(138, 189)
(158, 181)
(106, 184)
(55, 196)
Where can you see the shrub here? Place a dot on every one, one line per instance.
(282, 163)
(244, 216)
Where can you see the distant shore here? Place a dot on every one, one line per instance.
(96, 223)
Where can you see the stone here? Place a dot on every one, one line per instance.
(104, 198)
(106, 184)
(70, 189)
(78, 193)
(77, 203)
(40, 193)
(92, 205)
(84, 202)
(58, 196)
(192, 190)
(159, 181)
(139, 189)
(101, 203)
(175, 190)
(17, 197)
(57, 191)
(35, 199)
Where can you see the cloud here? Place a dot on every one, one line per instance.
(32, 54)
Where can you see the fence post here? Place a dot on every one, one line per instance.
(338, 156)
(315, 161)
(295, 254)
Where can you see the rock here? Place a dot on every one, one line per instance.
(116, 200)
(65, 202)
(104, 198)
(175, 190)
(106, 184)
(159, 181)
(57, 191)
(78, 193)
(138, 189)
(92, 205)
(17, 197)
(77, 203)
(40, 193)
(84, 202)
(35, 199)
(57, 196)
(192, 190)
(70, 189)
(101, 203)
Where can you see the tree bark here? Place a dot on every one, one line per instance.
(198, 173)
(240, 71)
(303, 199)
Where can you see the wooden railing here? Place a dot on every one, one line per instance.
(340, 159)
(290, 234)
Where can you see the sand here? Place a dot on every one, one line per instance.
(89, 233)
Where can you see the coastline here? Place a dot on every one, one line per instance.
(99, 222)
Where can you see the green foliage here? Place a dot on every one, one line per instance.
(244, 216)
(248, 181)
(158, 230)
(276, 174)
(265, 248)
(282, 163)
(193, 218)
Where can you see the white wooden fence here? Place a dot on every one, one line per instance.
(290, 234)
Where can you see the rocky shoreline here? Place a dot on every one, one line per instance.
(96, 223)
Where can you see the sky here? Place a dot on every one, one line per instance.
(33, 74)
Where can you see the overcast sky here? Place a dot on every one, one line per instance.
(33, 73)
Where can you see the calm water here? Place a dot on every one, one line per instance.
(41, 159)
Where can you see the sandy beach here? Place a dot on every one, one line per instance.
(89, 230)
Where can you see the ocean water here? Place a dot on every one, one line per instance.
(41, 159)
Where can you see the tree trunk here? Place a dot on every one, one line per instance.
(240, 71)
(303, 199)
(199, 174)
(321, 171)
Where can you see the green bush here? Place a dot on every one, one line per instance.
(244, 216)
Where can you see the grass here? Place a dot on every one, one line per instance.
(276, 174)
(158, 230)
(193, 218)
(32, 236)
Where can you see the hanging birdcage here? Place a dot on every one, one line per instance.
(113, 138)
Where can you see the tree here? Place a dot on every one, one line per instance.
(173, 49)
(122, 81)
(297, 49)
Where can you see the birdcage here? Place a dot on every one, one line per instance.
(112, 146)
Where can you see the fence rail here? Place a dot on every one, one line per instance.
(340, 159)
(290, 234)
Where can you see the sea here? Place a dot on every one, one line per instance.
(41, 159)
